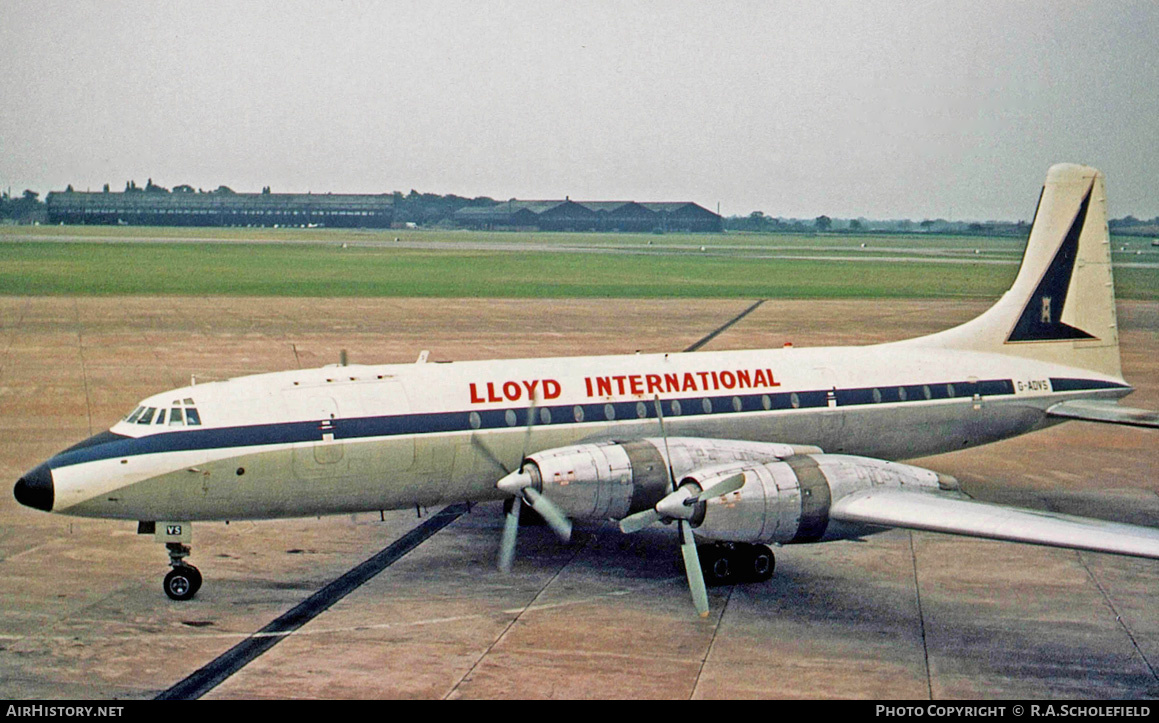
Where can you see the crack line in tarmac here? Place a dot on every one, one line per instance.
(515, 619)
(921, 617)
(11, 341)
(231, 661)
(1115, 612)
(711, 643)
(84, 374)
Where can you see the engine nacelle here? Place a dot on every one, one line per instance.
(610, 480)
(788, 501)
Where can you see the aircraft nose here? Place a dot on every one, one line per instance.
(35, 489)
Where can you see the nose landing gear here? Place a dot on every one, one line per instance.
(183, 581)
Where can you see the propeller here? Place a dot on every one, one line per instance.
(520, 484)
(680, 504)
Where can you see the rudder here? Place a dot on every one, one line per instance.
(1061, 307)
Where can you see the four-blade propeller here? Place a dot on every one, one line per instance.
(521, 485)
(680, 506)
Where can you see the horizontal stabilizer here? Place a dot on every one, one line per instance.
(1093, 410)
(938, 513)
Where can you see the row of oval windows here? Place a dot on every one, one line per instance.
(675, 408)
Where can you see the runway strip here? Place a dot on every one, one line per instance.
(210, 676)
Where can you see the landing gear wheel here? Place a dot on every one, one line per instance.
(759, 563)
(182, 582)
(718, 564)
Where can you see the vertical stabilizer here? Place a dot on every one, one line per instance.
(1061, 307)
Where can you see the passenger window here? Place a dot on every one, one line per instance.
(147, 416)
(175, 417)
(192, 417)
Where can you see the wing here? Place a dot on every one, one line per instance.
(1092, 410)
(942, 513)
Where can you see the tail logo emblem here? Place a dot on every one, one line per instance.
(1038, 321)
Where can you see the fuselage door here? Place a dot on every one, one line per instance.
(325, 456)
(832, 417)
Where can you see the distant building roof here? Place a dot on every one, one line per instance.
(141, 199)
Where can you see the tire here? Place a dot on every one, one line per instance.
(759, 563)
(182, 582)
(717, 564)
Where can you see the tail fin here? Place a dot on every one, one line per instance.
(1061, 307)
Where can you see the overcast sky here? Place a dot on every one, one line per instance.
(875, 109)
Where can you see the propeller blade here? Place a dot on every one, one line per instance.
(527, 434)
(510, 535)
(720, 489)
(551, 514)
(518, 484)
(692, 569)
(638, 521)
(667, 454)
(488, 453)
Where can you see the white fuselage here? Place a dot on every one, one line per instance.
(351, 438)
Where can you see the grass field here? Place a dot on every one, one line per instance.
(336, 263)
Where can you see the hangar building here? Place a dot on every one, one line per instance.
(220, 208)
(568, 215)
(227, 208)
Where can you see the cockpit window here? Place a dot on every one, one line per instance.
(181, 414)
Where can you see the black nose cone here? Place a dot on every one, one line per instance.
(35, 489)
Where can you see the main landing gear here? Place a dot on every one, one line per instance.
(730, 563)
(183, 581)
